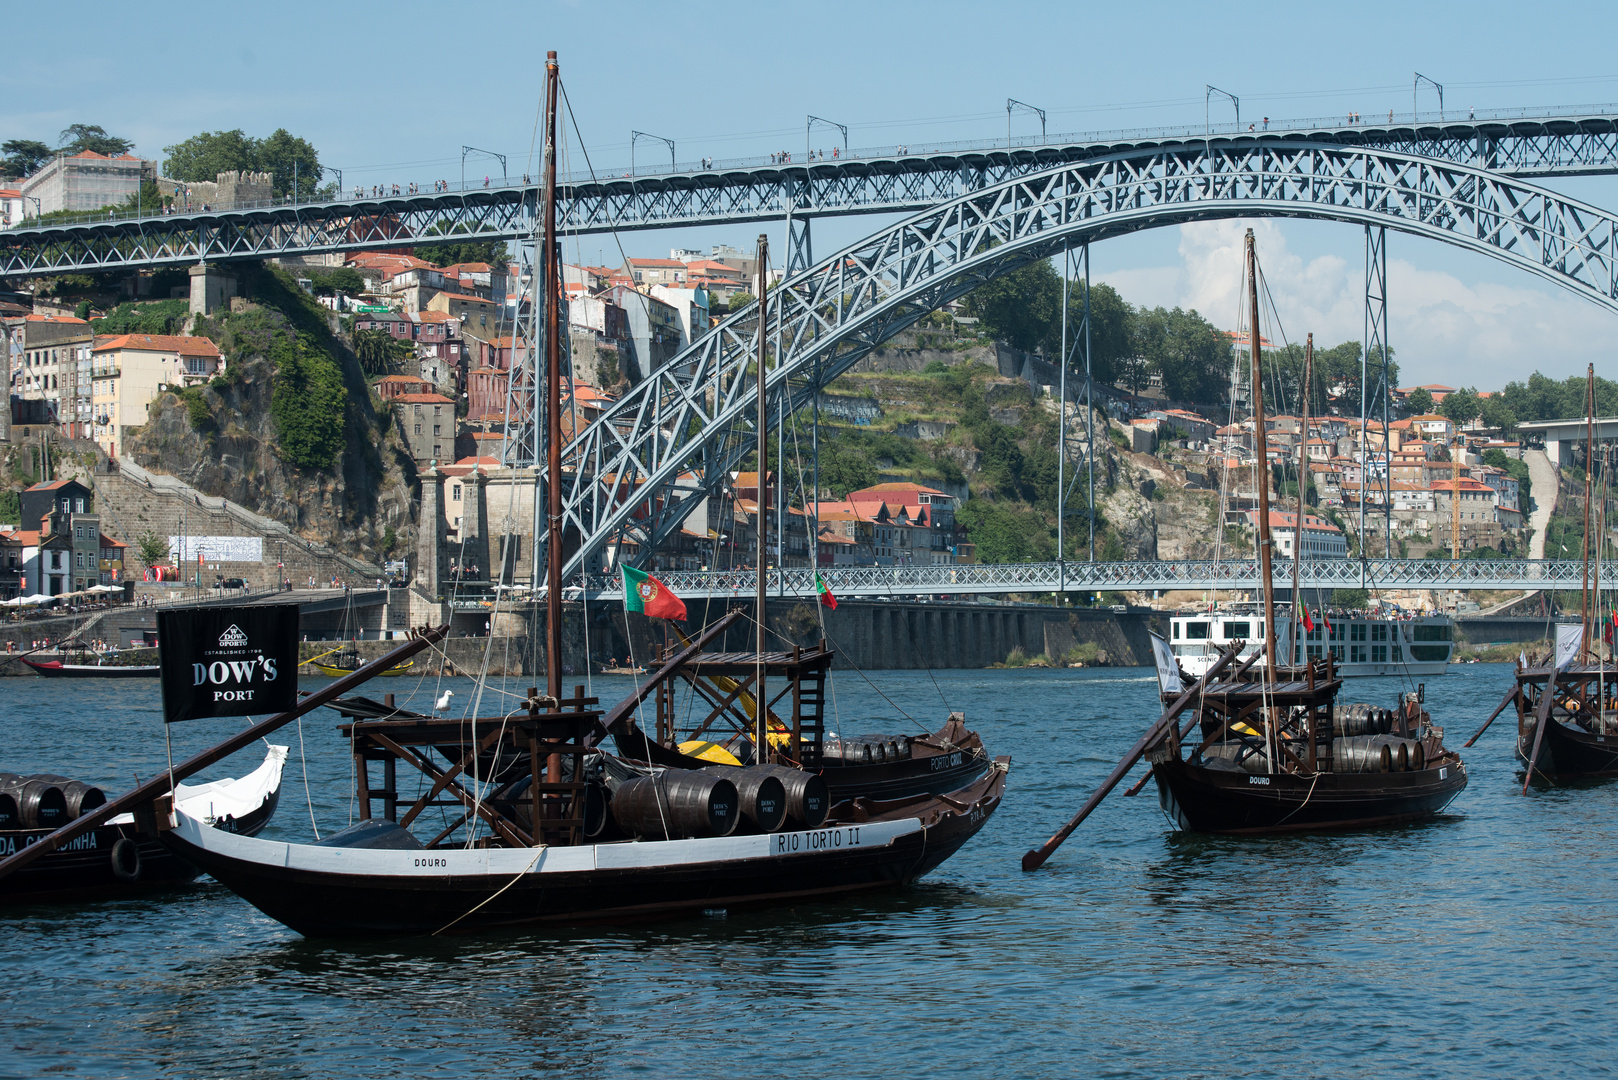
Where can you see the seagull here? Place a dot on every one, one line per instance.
(442, 704)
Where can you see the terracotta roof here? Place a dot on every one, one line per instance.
(670, 264)
(423, 399)
(1284, 520)
(399, 379)
(185, 346)
(56, 319)
(467, 298)
(107, 541)
(471, 267)
(431, 317)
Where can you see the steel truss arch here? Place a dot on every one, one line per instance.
(648, 461)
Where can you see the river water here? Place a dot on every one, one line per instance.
(1474, 944)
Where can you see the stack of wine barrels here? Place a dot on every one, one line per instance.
(1359, 719)
(44, 800)
(677, 804)
(1377, 753)
(869, 749)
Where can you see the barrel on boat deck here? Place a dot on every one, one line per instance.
(763, 797)
(676, 804)
(81, 797)
(1361, 753)
(808, 798)
(40, 804)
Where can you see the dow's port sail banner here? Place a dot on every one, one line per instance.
(228, 661)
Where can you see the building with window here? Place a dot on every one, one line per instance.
(86, 181)
(129, 371)
(427, 422)
(1321, 539)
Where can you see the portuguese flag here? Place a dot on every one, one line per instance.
(1303, 616)
(649, 596)
(826, 597)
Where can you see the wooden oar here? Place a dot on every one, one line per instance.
(1033, 860)
(1511, 696)
(164, 781)
(1542, 717)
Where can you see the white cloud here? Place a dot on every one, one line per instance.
(1442, 329)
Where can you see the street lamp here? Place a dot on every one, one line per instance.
(813, 120)
(1013, 103)
(1207, 96)
(474, 150)
(1415, 84)
(636, 136)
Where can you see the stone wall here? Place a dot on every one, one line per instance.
(132, 502)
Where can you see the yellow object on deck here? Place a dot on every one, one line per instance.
(707, 751)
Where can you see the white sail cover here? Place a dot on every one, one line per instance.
(1569, 643)
(1168, 668)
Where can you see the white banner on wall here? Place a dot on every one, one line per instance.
(216, 549)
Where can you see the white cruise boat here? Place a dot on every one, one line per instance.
(1363, 643)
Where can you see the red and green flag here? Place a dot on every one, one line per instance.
(1304, 617)
(649, 596)
(826, 598)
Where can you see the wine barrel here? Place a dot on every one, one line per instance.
(676, 804)
(808, 798)
(763, 796)
(40, 804)
(1361, 753)
(10, 818)
(1398, 751)
(80, 796)
(1418, 754)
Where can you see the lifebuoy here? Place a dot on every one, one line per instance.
(126, 860)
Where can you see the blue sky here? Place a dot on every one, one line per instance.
(391, 92)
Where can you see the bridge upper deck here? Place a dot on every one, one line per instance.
(1549, 142)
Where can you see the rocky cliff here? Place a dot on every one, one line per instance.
(225, 438)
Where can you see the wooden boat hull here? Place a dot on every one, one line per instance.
(1201, 799)
(341, 672)
(335, 891)
(87, 868)
(55, 669)
(1569, 750)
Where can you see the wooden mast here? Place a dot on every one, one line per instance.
(1297, 526)
(1585, 605)
(1262, 463)
(553, 402)
(762, 424)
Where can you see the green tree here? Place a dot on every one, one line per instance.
(153, 549)
(203, 157)
(23, 156)
(1022, 307)
(1498, 414)
(1192, 356)
(77, 138)
(290, 158)
(1420, 402)
(1460, 407)
(379, 352)
(307, 403)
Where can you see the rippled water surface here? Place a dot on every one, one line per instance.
(1480, 943)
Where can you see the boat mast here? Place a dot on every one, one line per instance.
(1262, 464)
(553, 401)
(763, 456)
(1297, 526)
(1585, 606)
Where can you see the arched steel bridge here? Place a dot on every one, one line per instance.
(662, 447)
(890, 181)
(1558, 575)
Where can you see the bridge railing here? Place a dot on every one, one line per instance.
(979, 578)
(796, 158)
